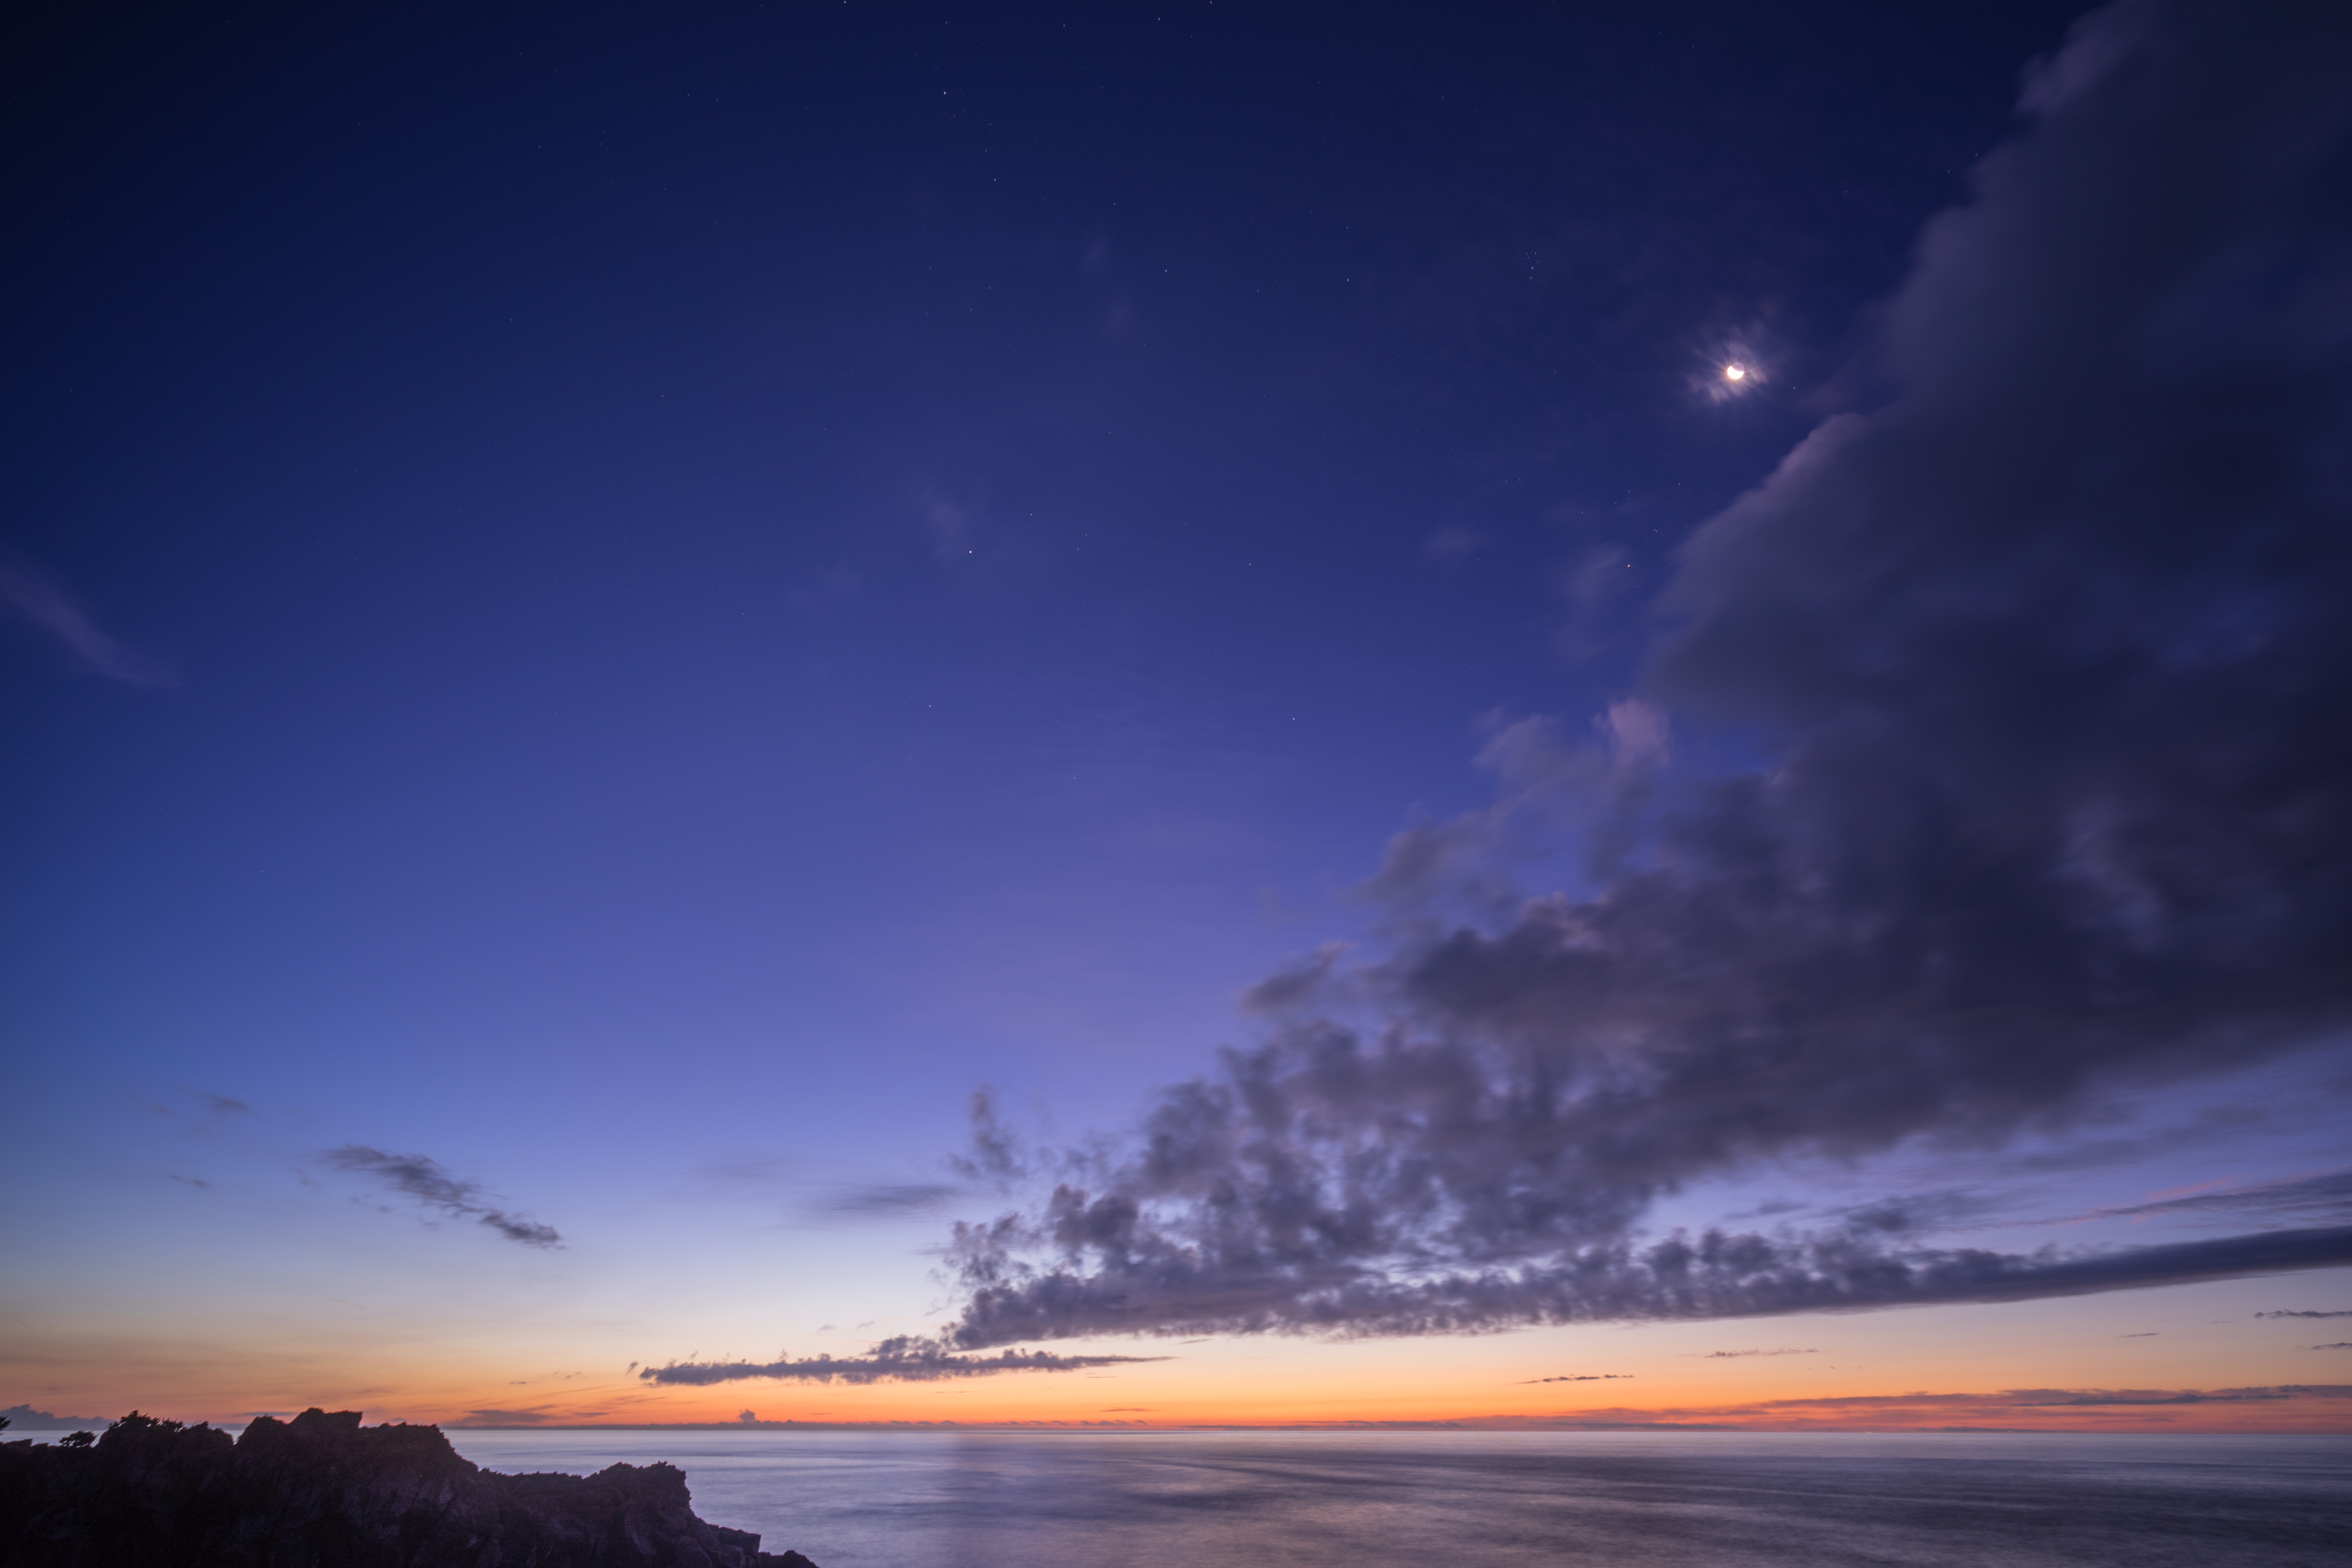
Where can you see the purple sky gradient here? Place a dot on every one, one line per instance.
(608, 615)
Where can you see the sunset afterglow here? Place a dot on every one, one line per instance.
(1555, 718)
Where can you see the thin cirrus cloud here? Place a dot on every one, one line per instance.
(30, 596)
(1934, 1410)
(2020, 1399)
(886, 1200)
(2047, 665)
(415, 1176)
(2328, 1196)
(2294, 1200)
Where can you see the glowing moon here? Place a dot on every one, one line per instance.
(1735, 373)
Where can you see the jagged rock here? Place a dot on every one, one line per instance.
(322, 1491)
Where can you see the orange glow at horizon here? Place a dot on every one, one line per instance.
(2195, 1358)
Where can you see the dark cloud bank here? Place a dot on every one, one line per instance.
(2046, 663)
(905, 1359)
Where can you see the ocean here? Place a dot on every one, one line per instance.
(1468, 1500)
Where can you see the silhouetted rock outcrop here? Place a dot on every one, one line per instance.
(322, 1491)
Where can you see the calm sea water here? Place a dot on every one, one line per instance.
(1635, 1499)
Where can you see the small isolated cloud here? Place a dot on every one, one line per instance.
(2304, 1314)
(2338, 1346)
(424, 1180)
(1582, 1377)
(1735, 1355)
(222, 1105)
(531, 1418)
(905, 1359)
(33, 600)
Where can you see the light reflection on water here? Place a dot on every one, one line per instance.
(1626, 1499)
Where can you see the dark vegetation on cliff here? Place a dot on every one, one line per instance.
(322, 1491)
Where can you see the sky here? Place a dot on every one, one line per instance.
(1523, 715)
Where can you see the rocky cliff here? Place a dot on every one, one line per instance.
(322, 1491)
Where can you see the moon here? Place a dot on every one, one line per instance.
(1735, 373)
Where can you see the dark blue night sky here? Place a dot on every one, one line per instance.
(613, 608)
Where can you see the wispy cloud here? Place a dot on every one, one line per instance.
(887, 1200)
(2323, 1196)
(424, 1180)
(2065, 1399)
(29, 595)
(905, 1359)
(2009, 1402)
